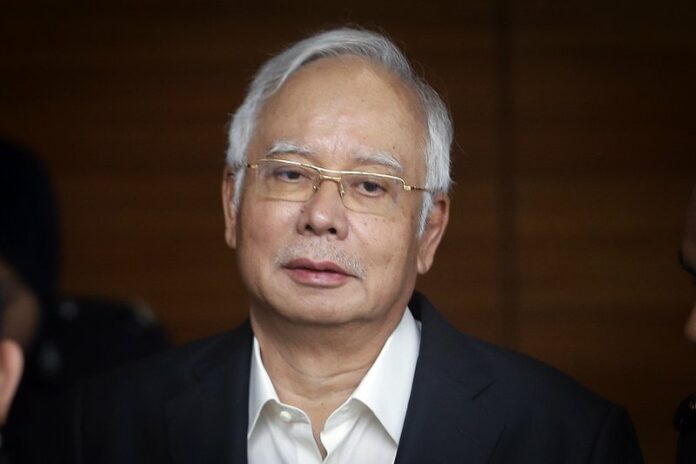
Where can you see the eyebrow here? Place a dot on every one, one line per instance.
(283, 147)
(381, 158)
(685, 264)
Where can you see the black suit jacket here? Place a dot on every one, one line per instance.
(471, 402)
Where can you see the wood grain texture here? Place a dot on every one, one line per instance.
(575, 153)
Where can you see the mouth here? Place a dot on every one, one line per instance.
(317, 273)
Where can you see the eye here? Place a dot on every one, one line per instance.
(370, 187)
(289, 174)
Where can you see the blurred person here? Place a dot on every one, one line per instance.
(18, 313)
(335, 198)
(57, 340)
(11, 365)
(685, 417)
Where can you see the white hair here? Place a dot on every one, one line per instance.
(333, 43)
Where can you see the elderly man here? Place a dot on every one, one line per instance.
(335, 199)
(685, 417)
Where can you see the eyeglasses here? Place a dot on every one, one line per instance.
(362, 192)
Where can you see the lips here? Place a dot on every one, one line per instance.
(317, 273)
(322, 266)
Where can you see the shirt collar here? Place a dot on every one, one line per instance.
(385, 389)
(261, 389)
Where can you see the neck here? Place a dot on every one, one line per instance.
(314, 367)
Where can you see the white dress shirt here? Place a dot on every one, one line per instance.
(365, 429)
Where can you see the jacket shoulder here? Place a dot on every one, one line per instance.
(163, 373)
(536, 412)
(511, 374)
(119, 416)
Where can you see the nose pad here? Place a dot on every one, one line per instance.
(322, 214)
(336, 180)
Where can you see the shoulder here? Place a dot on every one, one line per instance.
(524, 386)
(522, 372)
(540, 410)
(522, 383)
(81, 337)
(120, 415)
(511, 374)
(162, 374)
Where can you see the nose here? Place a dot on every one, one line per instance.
(324, 213)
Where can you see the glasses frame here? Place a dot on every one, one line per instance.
(335, 175)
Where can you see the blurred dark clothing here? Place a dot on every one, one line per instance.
(75, 338)
(685, 423)
(29, 225)
(79, 339)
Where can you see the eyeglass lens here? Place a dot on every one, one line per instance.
(359, 192)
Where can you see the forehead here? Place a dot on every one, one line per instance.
(344, 106)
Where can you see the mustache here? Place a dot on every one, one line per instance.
(321, 251)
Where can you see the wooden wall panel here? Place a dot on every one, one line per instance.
(573, 160)
(606, 159)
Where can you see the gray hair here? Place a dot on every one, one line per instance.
(338, 42)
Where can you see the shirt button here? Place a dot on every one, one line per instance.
(285, 416)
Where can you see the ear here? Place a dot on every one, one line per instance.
(11, 365)
(228, 208)
(435, 226)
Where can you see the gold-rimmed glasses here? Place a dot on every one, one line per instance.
(363, 192)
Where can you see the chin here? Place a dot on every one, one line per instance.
(325, 314)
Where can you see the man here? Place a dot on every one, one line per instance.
(335, 199)
(685, 417)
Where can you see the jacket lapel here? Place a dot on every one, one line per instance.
(446, 420)
(207, 421)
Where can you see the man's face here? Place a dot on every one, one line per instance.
(316, 262)
(688, 256)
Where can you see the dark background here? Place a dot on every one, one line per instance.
(575, 155)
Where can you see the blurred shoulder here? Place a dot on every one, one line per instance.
(166, 372)
(81, 337)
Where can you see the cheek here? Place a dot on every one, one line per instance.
(267, 218)
(385, 244)
(264, 228)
